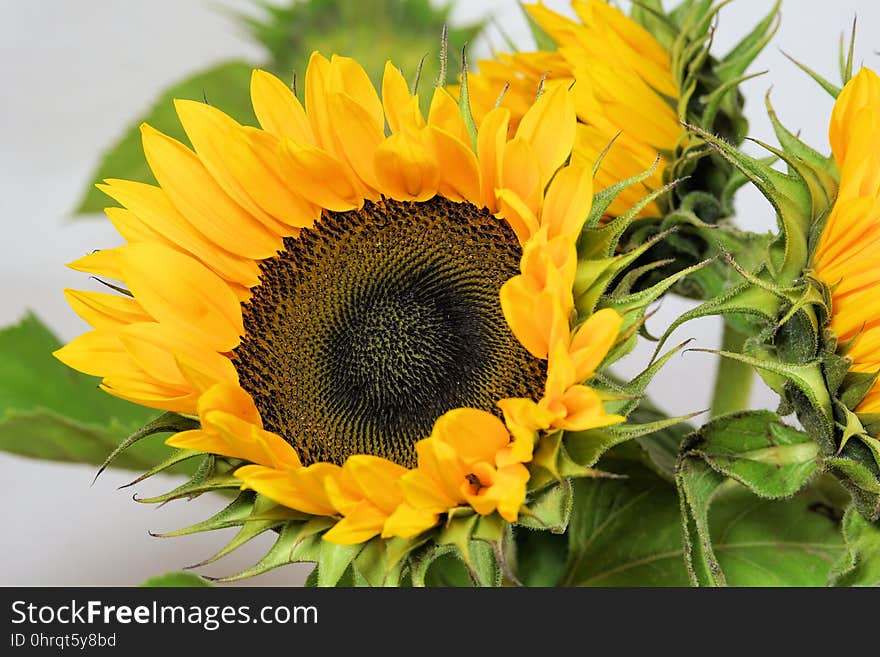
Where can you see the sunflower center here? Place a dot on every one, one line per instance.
(374, 323)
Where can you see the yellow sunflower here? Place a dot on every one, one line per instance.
(625, 91)
(371, 309)
(846, 258)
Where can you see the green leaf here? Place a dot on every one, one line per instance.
(627, 533)
(859, 564)
(757, 449)
(49, 411)
(225, 85)
(175, 580)
(773, 543)
(540, 557)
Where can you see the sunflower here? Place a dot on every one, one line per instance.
(846, 256)
(625, 92)
(371, 310)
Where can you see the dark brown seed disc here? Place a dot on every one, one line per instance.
(371, 325)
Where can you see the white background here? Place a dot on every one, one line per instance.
(75, 73)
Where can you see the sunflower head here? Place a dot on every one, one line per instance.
(383, 328)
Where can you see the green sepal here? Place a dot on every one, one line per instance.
(758, 450)
(789, 195)
(549, 508)
(859, 565)
(212, 475)
(742, 299)
(832, 89)
(806, 377)
(857, 471)
(594, 275)
(333, 561)
(457, 546)
(732, 65)
(232, 515)
(296, 542)
(552, 460)
(604, 198)
(632, 306)
(165, 423)
(854, 387)
(383, 562)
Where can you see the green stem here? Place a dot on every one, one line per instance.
(733, 380)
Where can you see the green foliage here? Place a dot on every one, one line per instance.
(51, 412)
(859, 564)
(177, 580)
(627, 533)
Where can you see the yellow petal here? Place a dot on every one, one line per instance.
(202, 201)
(98, 353)
(207, 129)
(568, 201)
(863, 90)
(145, 391)
(406, 168)
(585, 411)
(459, 170)
(348, 77)
(322, 179)
(363, 523)
(377, 478)
(277, 108)
(254, 159)
(423, 492)
(440, 463)
(408, 521)
(359, 133)
(177, 290)
(445, 114)
(101, 263)
(491, 138)
(593, 340)
(521, 173)
(401, 108)
(517, 214)
(152, 206)
(475, 435)
(106, 311)
(549, 128)
(301, 489)
(247, 441)
(531, 315)
(317, 79)
(154, 348)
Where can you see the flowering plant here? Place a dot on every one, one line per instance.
(382, 318)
